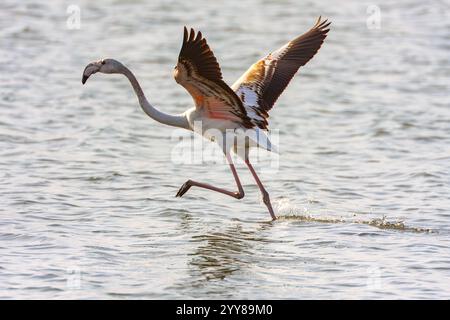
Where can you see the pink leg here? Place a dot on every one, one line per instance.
(238, 195)
(265, 194)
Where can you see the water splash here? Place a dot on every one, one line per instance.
(288, 212)
(284, 206)
(381, 223)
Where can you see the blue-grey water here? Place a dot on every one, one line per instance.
(87, 181)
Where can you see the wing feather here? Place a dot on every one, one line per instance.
(267, 78)
(199, 73)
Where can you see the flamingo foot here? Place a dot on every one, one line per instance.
(184, 188)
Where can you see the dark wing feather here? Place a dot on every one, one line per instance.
(199, 73)
(197, 53)
(265, 80)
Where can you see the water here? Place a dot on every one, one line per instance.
(87, 183)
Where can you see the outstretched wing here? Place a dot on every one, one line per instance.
(199, 73)
(261, 85)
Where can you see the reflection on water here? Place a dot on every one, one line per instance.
(219, 254)
(87, 185)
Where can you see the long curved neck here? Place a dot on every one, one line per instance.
(152, 112)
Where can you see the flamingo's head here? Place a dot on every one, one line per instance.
(102, 66)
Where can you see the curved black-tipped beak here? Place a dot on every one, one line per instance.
(90, 69)
(84, 79)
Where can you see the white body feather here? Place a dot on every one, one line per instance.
(227, 134)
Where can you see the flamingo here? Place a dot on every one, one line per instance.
(235, 112)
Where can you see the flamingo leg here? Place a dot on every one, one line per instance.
(238, 195)
(264, 192)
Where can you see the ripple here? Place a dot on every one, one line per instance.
(87, 180)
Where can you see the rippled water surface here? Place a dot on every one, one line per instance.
(87, 181)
